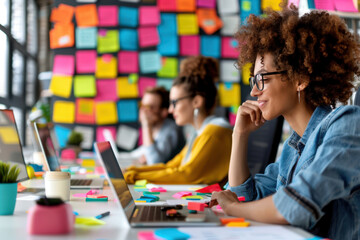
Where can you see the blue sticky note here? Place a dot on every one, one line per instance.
(169, 45)
(311, 4)
(171, 234)
(128, 39)
(127, 110)
(86, 37)
(62, 135)
(128, 16)
(210, 46)
(168, 24)
(164, 82)
(249, 7)
(150, 61)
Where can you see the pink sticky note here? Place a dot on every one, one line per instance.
(106, 90)
(206, 3)
(241, 199)
(149, 15)
(228, 48)
(108, 15)
(128, 62)
(79, 195)
(148, 36)
(144, 83)
(86, 61)
(140, 137)
(232, 118)
(345, 5)
(324, 4)
(102, 32)
(167, 5)
(189, 45)
(159, 189)
(100, 133)
(218, 207)
(146, 235)
(295, 2)
(179, 195)
(64, 65)
(107, 57)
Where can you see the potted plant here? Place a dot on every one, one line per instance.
(74, 141)
(8, 187)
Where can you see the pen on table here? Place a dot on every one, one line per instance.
(103, 215)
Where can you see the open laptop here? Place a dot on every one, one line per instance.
(51, 163)
(144, 215)
(10, 145)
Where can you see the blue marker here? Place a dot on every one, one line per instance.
(103, 215)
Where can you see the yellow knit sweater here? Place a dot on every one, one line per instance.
(208, 162)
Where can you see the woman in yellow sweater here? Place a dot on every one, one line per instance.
(205, 158)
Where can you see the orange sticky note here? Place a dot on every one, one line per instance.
(225, 221)
(64, 14)
(208, 20)
(62, 35)
(86, 15)
(185, 5)
(238, 224)
(85, 111)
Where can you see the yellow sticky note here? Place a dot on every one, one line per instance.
(9, 135)
(84, 86)
(88, 163)
(169, 68)
(61, 86)
(238, 224)
(187, 24)
(272, 4)
(126, 88)
(89, 221)
(245, 73)
(106, 67)
(108, 41)
(141, 183)
(64, 112)
(106, 113)
(229, 94)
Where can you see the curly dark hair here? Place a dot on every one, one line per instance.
(198, 76)
(316, 47)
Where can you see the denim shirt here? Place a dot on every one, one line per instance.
(316, 181)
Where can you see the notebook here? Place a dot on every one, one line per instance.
(10, 145)
(145, 215)
(51, 163)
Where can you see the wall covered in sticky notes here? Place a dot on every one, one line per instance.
(107, 52)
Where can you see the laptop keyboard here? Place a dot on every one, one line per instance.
(155, 214)
(80, 182)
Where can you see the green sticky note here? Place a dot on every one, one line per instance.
(108, 41)
(154, 193)
(141, 183)
(96, 199)
(169, 68)
(246, 5)
(84, 86)
(133, 78)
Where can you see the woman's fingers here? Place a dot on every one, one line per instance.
(251, 109)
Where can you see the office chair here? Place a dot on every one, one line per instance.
(357, 97)
(263, 145)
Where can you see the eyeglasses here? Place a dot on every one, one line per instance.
(174, 102)
(258, 79)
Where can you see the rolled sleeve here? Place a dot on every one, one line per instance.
(297, 210)
(246, 189)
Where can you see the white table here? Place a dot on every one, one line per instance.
(116, 227)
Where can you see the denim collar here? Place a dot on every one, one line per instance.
(297, 142)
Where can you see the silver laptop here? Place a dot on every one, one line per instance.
(51, 163)
(10, 146)
(145, 215)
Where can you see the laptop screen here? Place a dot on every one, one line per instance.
(116, 177)
(47, 146)
(10, 146)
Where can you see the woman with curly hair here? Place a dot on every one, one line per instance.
(302, 67)
(205, 158)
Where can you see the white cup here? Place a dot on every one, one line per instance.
(57, 185)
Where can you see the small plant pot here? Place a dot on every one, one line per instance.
(8, 193)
